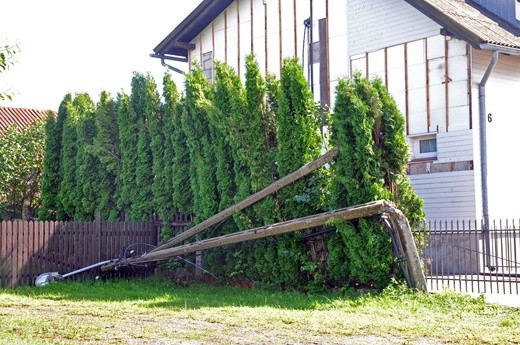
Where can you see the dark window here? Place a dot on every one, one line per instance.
(428, 145)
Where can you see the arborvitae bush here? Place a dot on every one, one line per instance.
(106, 149)
(220, 143)
(164, 195)
(199, 134)
(182, 166)
(369, 132)
(69, 192)
(51, 162)
(88, 174)
(299, 142)
(125, 180)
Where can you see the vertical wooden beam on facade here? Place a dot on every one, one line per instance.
(201, 48)
(251, 11)
(327, 49)
(238, 37)
(427, 67)
(406, 88)
(470, 93)
(311, 45)
(324, 64)
(386, 68)
(295, 30)
(367, 69)
(225, 37)
(446, 82)
(280, 36)
(265, 40)
(213, 39)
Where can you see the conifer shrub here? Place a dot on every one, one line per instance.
(368, 130)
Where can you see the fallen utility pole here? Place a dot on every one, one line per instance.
(272, 188)
(398, 225)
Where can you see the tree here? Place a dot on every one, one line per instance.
(69, 191)
(106, 149)
(164, 182)
(144, 102)
(369, 132)
(125, 180)
(21, 165)
(51, 162)
(7, 59)
(198, 132)
(299, 139)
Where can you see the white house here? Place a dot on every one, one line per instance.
(453, 66)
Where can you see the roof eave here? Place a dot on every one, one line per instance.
(178, 42)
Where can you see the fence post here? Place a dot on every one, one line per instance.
(98, 233)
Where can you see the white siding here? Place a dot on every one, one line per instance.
(455, 146)
(375, 24)
(232, 36)
(447, 196)
(502, 102)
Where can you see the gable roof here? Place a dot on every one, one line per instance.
(472, 23)
(20, 117)
(177, 43)
(479, 27)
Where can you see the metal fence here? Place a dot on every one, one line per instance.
(471, 256)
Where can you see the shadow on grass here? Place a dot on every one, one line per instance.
(162, 293)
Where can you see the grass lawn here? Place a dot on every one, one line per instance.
(156, 311)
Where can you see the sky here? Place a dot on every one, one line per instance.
(71, 46)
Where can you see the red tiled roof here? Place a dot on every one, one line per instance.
(21, 117)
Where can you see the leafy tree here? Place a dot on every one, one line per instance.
(21, 165)
(51, 161)
(7, 59)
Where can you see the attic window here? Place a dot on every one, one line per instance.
(207, 65)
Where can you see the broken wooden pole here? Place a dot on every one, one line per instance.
(272, 188)
(398, 223)
(406, 241)
(349, 213)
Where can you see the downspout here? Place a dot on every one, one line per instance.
(483, 157)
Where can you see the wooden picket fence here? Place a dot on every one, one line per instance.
(29, 248)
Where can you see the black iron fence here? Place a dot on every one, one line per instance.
(471, 256)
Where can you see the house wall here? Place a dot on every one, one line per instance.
(376, 24)
(502, 103)
(428, 76)
(275, 30)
